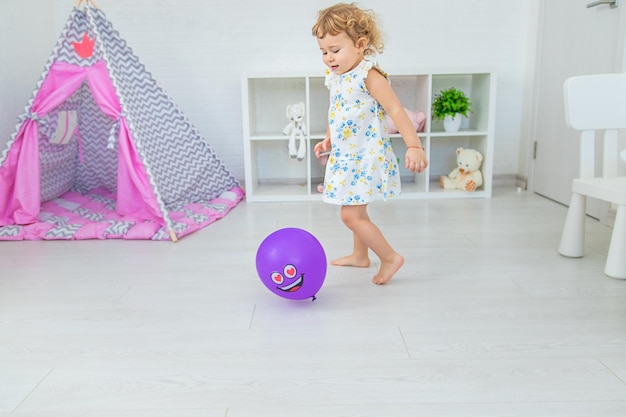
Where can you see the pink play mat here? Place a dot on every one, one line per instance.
(75, 216)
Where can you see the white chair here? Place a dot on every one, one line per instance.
(592, 103)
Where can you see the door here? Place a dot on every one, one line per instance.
(573, 40)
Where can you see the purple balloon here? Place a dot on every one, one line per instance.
(291, 263)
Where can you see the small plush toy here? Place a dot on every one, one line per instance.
(418, 118)
(466, 176)
(296, 127)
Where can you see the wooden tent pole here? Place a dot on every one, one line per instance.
(80, 2)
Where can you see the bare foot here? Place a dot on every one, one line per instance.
(352, 260)
(388, 269)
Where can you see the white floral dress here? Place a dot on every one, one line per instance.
(362, 166)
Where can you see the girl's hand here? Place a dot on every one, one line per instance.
(415, 160)
(322, 146)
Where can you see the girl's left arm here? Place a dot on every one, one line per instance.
(381, 90)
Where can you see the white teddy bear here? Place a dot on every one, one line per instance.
(466, 176)
(296, 127)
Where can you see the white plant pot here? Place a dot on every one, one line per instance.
(452, 124)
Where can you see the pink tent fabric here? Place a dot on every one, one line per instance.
(19, 175)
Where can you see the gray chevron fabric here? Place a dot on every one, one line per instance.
(181, 165)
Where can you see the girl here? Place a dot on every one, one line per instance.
(362, 166)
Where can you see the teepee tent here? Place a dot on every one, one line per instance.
(103, 152)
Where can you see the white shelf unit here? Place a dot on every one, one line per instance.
(271, 175)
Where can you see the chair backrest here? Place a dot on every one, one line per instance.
(596, 102)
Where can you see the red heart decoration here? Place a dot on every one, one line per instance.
(291, 271)
(277, 278)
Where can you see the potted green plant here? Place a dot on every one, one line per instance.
(450, 105)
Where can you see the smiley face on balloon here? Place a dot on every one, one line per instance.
(288, 280)
(291, 263)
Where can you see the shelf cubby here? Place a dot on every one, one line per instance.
(271, 175)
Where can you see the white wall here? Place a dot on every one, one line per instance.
(26, 41)
(197, 51)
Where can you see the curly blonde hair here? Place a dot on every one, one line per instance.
(356, 22)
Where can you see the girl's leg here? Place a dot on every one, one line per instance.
(368, 235)
(359, 256)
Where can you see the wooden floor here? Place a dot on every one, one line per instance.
(485, 319)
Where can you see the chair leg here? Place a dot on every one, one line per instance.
(616, 259)
(573, 237)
